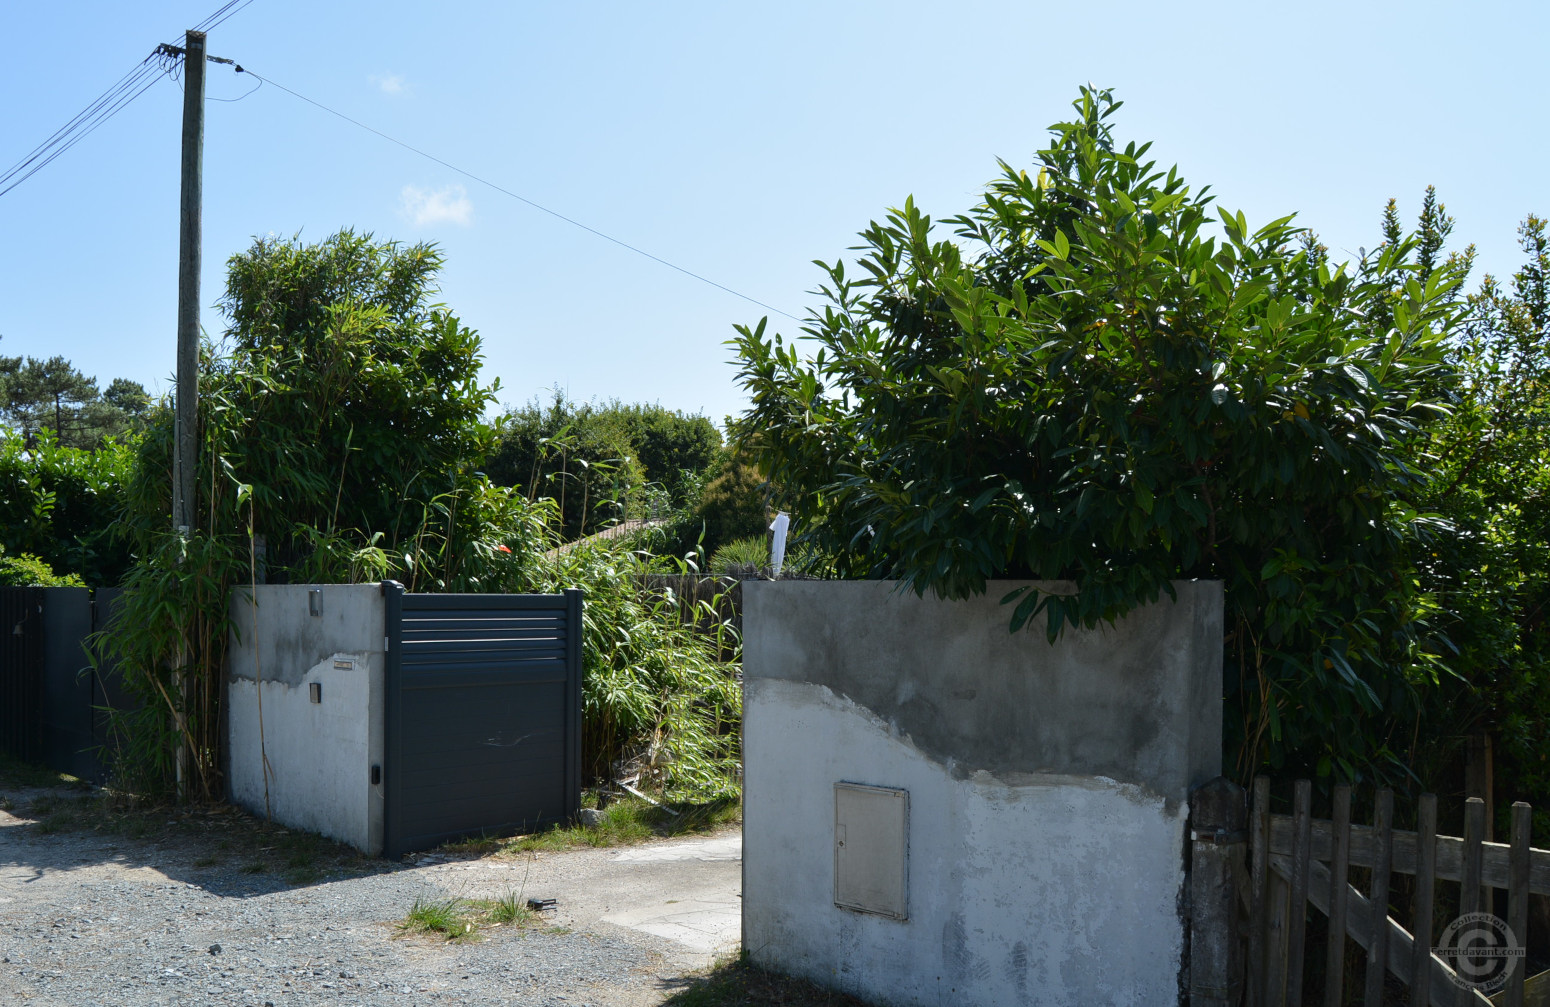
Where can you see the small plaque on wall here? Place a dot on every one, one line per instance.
(871, 849)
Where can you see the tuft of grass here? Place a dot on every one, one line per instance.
(254, 867)
(509, 909)
(737, 981)
(463, 919)
(207, 861)
(449, 917)
(623, 822)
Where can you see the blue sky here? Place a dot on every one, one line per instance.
(739, 141)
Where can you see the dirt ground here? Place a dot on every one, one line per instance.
(215, 907)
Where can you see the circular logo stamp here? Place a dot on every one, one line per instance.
(1482, 951)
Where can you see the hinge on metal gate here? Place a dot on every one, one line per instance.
(385, 640)
(1220, 836)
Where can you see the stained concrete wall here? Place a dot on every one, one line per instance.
(1048, 789)
(320, 754)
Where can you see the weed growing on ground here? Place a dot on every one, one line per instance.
(510, 908)
(622, 823)
(447, 917)
(463, 919)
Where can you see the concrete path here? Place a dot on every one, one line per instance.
(96, 918)
(705, 912)
(684, 891)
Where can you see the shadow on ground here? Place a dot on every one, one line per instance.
(219, 848)
(739, 981)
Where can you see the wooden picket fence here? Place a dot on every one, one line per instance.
(1296, 860)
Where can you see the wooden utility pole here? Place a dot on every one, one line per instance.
(185, 452)
(186, 449)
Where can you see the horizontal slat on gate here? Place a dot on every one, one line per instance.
(477, 604)
(1450, 853)
(515, 647)
(480, 673)
(444, 628)
(474, 655)
(516, 617)
(503, 634)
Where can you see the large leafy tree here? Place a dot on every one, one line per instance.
(1102, 380)
(577, 454)
(342, 429)
(603, 462)
(1490, 464)
(348, 397)
(59, 503)
(52, 395)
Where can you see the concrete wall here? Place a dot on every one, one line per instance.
(1047, 789)
(320, 754)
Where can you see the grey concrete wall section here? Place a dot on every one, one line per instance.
(1138, 702)
(1047, 789)
(294, 639)
(320, 754)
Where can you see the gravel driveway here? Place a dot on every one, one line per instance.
(89, 918)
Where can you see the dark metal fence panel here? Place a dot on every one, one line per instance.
(21, 666)
(67, 683)
(483, 714)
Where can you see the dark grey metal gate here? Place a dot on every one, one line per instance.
(53, 702)
(21, 678)
(482, 714)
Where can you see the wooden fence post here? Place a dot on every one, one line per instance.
(1259, 882)
(1218, 836)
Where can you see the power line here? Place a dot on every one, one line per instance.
(105, 106)
(221, 14)
(537, 206)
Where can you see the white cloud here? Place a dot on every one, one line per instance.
(389, 83)
(447, 205)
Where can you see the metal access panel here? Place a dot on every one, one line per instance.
(871, 849)
(482, 715)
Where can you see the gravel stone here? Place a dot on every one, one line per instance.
(88, 919)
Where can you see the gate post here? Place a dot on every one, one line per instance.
(1218, 838)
